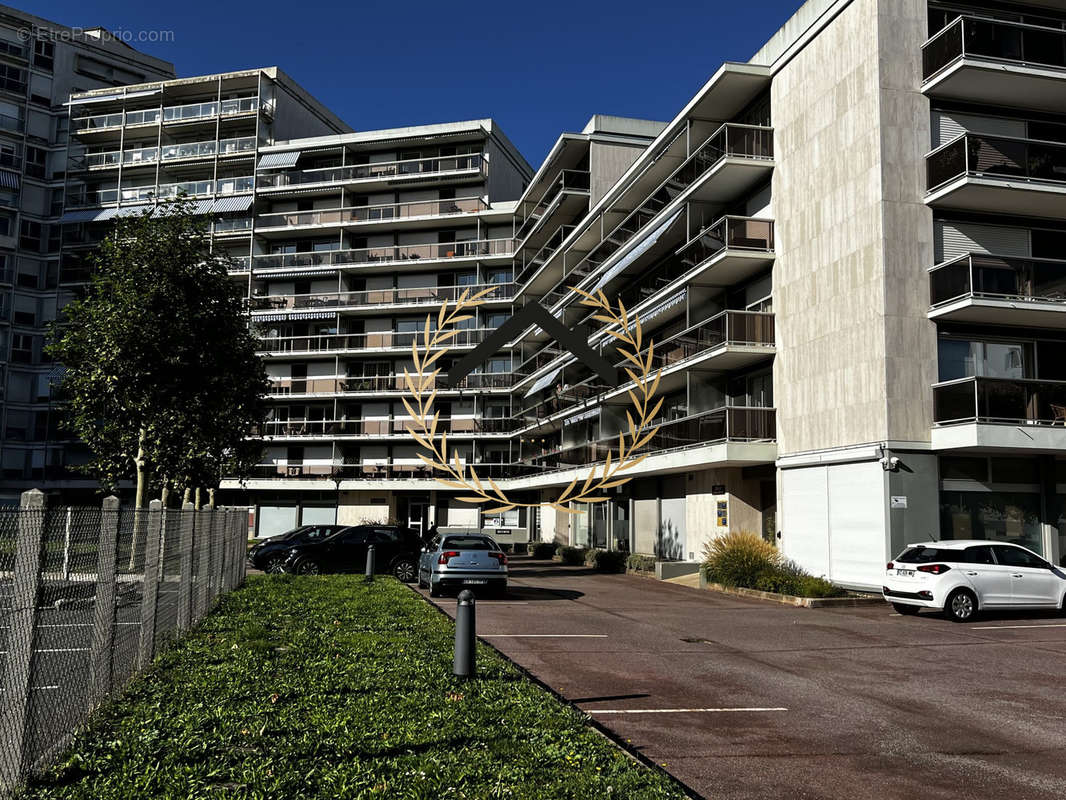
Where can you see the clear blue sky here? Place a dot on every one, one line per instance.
(538, 68)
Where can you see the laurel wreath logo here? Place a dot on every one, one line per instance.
(425, 421)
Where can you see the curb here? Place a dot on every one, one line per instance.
(792, 600)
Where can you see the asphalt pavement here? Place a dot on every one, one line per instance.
(743, 698)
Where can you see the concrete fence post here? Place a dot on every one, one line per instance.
(185, 592)
(150, 587)
(66, 545)
(104, 611)
(203, 546)
(225, 554)
(22, 629)
(212, 559)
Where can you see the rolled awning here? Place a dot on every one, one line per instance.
(543, 381)
(224, 205)
(295, 273)
(9, 180)
(638, 251)
(124, 211)
(82, 215)
(294, 315)
(279, 160)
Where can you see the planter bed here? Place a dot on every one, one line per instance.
(851, 600)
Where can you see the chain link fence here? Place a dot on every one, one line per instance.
(87, 597)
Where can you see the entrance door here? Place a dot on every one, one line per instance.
(599, 525)
(418, 514)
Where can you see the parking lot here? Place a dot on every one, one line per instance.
(748, 699)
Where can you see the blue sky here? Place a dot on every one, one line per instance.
(537, 68)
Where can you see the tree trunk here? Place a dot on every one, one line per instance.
(199, 501)
(187, 495)
(142, 470)
(211, 499)
(164, 496)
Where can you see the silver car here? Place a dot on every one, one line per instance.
(462, 560)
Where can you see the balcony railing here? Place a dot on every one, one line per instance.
(392, 426)
(390, 253)
(974, 154)
(1000, 400)
(733, 424)
(363, 341)
(568, 180)
(200, 188)
(429, 295)
(355, 384)
(996, 40)
(531, 264)
(406, 168)
(182, 113)
(409, 471)
(377, 213)
(998, 278)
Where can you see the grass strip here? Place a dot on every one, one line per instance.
(327, 687)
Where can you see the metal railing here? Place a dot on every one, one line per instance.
(975, 154)
(371, 428)
(567, 180)
(410, 471)
(183, 113)
(357, 384)
(381, 255)
(89, 596)
(977, 275)
(169, 152)
(386, 169)
(1000, 400)
(384, 340)
(415, 296)
(997, 40)
(376, 213)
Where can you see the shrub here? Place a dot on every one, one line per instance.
(543, 549)
(739, 559)
(606, 560)
(641, 563)
(571, 555)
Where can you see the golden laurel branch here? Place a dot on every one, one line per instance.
(423, 429)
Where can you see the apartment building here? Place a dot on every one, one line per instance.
(41, 63)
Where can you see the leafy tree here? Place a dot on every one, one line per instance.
(162, 379)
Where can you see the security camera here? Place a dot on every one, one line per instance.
(889, 464)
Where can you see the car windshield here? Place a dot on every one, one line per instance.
(925, 555)
(469, 543)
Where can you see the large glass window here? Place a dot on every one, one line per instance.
(967, 358)
(1000, 516)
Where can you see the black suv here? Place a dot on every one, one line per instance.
(396, 552)
(269, 555)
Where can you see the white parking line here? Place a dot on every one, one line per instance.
(679, 710)
(1007, 627)
(544, 636)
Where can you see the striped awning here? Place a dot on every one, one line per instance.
(239, 202)
(201, 207)
(638, 251)
(295, 273)
(82, 215)
(124, 211)
(294, 315)
(543, 381)
(9, 180)
(658, 309)
(101, 98)
(279, 160)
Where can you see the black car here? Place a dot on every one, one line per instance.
(270, 554)
(396, 552)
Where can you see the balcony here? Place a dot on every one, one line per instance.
(390, 213)
(999, 290)
(384, 428)
(376, 298)
(381, 384)
(997, 63)
(202, 188)
(982, 413)
(996, 174)
(374, 256)
(569, 192)
(331, 343)
(380, 471)
(190, 112)
(169, 152)
(407, 170)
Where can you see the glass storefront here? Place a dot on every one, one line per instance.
(999, 516)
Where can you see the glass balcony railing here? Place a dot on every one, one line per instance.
(200, 188)
(383, 340)
(383, 471)
(382, 255)
(568, 180)
(376, 213)
(386, 169)
(1000, 401)
(531, 264)
(170, 152)
(974, 154)
(996, 40)
(429, 295)
(998, 278)
(232, 225)
(371, 428)
(171, 114)
(363, 384)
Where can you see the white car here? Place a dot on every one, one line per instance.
(964, 577)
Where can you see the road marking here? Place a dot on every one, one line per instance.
(544, 636)
(679, 710)
(1007, 627)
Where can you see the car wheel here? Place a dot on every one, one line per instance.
(274, 565)
(404, 570)
(307, 567)
(905, 610)
(961, 606)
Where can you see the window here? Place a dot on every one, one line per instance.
(979, 555)
(469, 543)
(44, 53)
(965, 358)
(30, 235)
(36, 158)
(357, 536)
(22, 348)
(1016, 557)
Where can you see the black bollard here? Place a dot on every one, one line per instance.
(465, 634)
(370, 564)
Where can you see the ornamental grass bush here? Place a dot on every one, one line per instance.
(747, 560)
(573, 556)
(544, 549)
(606, 560)
(641, 563)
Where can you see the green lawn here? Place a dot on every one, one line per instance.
(325, 687)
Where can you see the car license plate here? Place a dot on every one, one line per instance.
(905, 573)
(475, 580)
